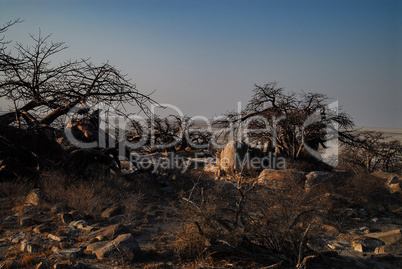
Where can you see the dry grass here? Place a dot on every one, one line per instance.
(89, 196)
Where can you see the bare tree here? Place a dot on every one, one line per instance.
(279, 118)
(43, 91)
(372, 151)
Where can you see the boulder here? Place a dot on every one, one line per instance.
(110, 232)
(392, 249)
(127, 245)
(280, 178)
(71, 253)
(124, 245)
(389, 237)
(95, 246)
(232, 156)
(367, 244)
(105, 251)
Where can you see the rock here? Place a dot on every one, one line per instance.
(66, 218)
(34, 197)
(56, 237)
(360, 248)
(233, 158)
(127, 245)
(105, 251)
(124, 245)
(280, 178)
(26, 221)
(70, 253)
(94, 246)
(392, 249)
(110, 232)
(314, 178)
(112, 211)
(389, 237)
(80, 224)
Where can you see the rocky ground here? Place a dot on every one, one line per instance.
(34, 234)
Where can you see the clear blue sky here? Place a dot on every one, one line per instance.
(205, 56)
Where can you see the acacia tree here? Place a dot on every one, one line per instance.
(42, 91)
(280, 118)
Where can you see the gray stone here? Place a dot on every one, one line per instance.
(389, 237)
(124, 245)
(127, 245)
(392, 249)
(56, 237)
(109, 232)
(70, 253)
(105, 251)
(94, 246)
(280, 178)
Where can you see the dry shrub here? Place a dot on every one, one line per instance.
(16, 188)
(368, 191)
(247, 220)
(87, 196)
(189, 243)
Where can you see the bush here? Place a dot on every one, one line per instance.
(247, 221)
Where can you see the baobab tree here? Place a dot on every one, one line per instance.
(280, 119)
(41, 91)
